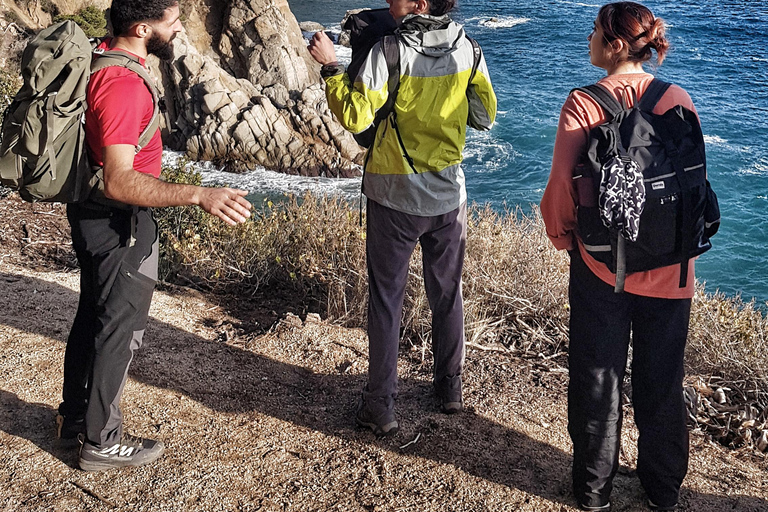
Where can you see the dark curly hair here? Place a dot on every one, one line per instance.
(126, 13)
(440, 7)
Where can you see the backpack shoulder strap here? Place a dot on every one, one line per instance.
(478, 52)
(114, 58)
(653, 94)
(391, 49)
(607, 102)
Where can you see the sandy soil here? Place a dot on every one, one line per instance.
(260, 417)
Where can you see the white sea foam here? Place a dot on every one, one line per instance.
(260, 181)
(715, 140)
(759, 168)
(499, 22)
(488, 153)
(581, 4)
(344, 54)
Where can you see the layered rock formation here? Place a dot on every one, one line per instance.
(243, 91)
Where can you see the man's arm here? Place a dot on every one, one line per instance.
(353, 104)
(123, 183)
(482, 99)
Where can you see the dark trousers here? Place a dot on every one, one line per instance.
(390, 241)
(600, 326)
(116, 285)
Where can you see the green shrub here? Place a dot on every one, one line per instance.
(91, 19)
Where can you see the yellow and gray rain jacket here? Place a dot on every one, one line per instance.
(435, 103)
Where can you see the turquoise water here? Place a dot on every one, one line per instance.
(537, 51)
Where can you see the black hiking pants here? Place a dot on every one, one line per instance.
(116, 286)
(600, 326)
(391, 239)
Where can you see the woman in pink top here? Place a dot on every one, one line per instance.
(653, 308)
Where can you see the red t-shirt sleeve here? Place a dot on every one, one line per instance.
(119, 105)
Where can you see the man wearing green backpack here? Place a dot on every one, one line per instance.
(115, 236)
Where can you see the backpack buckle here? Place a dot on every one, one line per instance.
(98, 51)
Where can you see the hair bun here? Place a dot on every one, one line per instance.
(657, 33)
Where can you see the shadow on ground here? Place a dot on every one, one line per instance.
(233, 380)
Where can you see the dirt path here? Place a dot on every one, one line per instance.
(265, 422)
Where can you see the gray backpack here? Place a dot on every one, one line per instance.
(42, 144)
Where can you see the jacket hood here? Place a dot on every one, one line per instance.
(433, 36)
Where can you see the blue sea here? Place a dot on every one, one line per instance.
(537, 51)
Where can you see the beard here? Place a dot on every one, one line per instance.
(161, 48)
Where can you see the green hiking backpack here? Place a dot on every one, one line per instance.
(42, 141)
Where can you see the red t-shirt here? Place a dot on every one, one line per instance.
(119, 108)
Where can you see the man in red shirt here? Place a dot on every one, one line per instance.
(115, 238)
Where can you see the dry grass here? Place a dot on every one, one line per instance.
(515, 284)
(728, 338)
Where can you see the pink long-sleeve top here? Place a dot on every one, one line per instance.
(558, 205)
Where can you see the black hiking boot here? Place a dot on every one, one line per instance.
(659, 508)
(377, 414)
(69, 427)
(449, 394)
(130, 451)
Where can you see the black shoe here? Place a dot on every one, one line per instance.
(377, 414)
(656, 507)
(68, 427)
(130, 451)
(448, 392)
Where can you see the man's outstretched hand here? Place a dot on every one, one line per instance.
(228, 204)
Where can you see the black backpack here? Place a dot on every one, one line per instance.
(644, 201)
(366, 28)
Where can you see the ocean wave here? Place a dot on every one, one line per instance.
(581, 4)
(759, 168)
(485, 153)
(262, 182)
(499, 22)
(344, 54)
(715, 140)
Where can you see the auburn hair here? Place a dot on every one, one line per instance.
(636, 25)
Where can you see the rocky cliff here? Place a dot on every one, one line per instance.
(242, 89)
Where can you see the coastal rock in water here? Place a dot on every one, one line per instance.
(258, 99)
(310, 26)
(232, 121)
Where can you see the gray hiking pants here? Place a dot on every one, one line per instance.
(391, 239)
(116, 286)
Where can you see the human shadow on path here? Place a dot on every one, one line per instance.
(233, 380)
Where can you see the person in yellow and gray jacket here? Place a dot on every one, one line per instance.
(414, 184)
